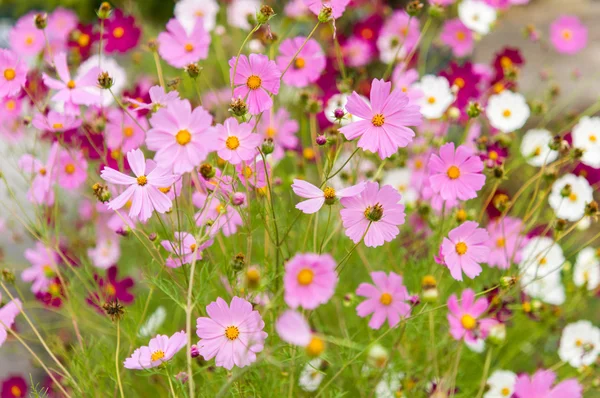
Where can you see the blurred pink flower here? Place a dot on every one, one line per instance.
(8, 313)
(568, 35)
(253, 173)
(386, 299)
(458, 37)
(506, 241)
(71, 171)
(183, 248)
(25, 37)
(160, 349)
(464, 249)
(307, 66)
(73, 91)
(540, 386)
(337, 6)
(41, 190)
(464, 317)
(122, 132)
(55, 122)
(158, 97)
(282, 129)
(179, 48)
(309, 280)
(44, 262)
(13, 74)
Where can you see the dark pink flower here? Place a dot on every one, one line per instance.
(121, 33)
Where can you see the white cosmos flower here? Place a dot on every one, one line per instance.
(339, 101)
(238, 12)
(579, 344)
(437, 96)
(507, 111)
(312, 375)
(535, 147)
(187, 11)
(388, 46)
(400, 179)
(477, 15)
(586, 136)
(115, 71)
(587, 269)
(572, 207)
(501, 384)
(106, 253)
(389, 385)
(477, 346)
(548, 289)
(154, 321)
(541, 256)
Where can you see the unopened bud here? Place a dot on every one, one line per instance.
(414, 8)
(474, 110)
(152, 236)
(508, 281)
(321, 140)
(238, 107)
(239, 261)
(374, 213)
(326, 14)
(339, 113)
(192, 70)
(499, 172)
(501, 201)
(267, 146)
(453, 113)
(182, 377)
(174, 83)
(461, 215)
(497, 334)
(105, 81)
(8, 276)
(560, 225)
(207, 171)
(101, 192)
(104, 11)
(566, 191)
(436, 11)
(41, 20)
(591, 209)
(264, 14)
(238, 199)
(194, 351)
(153, 45)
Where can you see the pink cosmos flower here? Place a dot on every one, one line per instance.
(106, 253)
(235, 142)
(75, 91)
(568, 35)
(143, 190)
(255, 78)
(160, 349)
(464, 249)
(179, 48)
(464, 317)
(403, 80)
(217, 215)
(158, 97)
(55, 122)
(458, 37)
(309, 280)
(506, 242)
(13, 74)
(8, 313)
(282, 129)
(71, 170)
(294, 329)
(183, 247)
(122, 132)
(61, 22)
(41, 191)
(540, 386)
(44, 262)
(10, 108)
(181, 137)
(308, 65)
(317, 197)
(337, 6)
(383, 129)
(25, 37)
(357, 52)
(253, 173)
(121, 33)
(387, 299)
(376, 212)
(234, 334)
(456, 175)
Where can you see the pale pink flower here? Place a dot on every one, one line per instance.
(44, 263)
(160, 349)
(458, 37)
(357, 52)
(8, 313)
(294, 329)
(183, 248)
(465, 317)
(13, 74)
(71, 171)
(317, 197)
(235, 142)
(540, 386)
(373, 214)
(122, 132)
(386, 299)
(61, 22)
(10, 108)
(179, 48)
(308, 64)
(25, 37)
(74, 91)
(106, 253)
(506, 241)
(233, 334)
(253, 173)
(384, 125)
(404, 79)
(55, 122)
(255, 78)
(41, 191)
(568, 35)
(337, 6)
(282, 129)
(143, 190)
(158, 99)
(464, 249)
(217, 215)
(309, 280)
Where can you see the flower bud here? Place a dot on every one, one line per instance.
(560, 225)
(207, 171)
(41, 20)
(414, 8)
(374, 213)
(577, 153)
(321, 140)
(474, 110)
(101, 192)
(104, 11)
(105, 81)
(182, 377)
(264, 14)
(566, 191)
(436, 11)
(499, 172)
(591, 209)
(267, 146)
(314, 106)
(501, 202)
(238, 198)
(453, 113)
(238, 107)
(8, 276)
(429, 293)
(238, 262)
(114, 310)
(174, 83)
(153, 45)
(508, 281)
(194, 351)
(152, 236)
(193, 70)
(325, 15)
(348, 299)
(461, 215)
(339, 113)
(497, 334)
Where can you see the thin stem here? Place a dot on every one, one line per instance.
(455, 369)
(188, 325)
(117, 367)
(299, 49)
(159, 71)
(433, 346)
(237, 57)
(347, 256)
(486, 370)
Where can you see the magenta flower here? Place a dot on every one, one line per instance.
(41, 191)
(282, 129)
(293, 328)
(179, 48)
(13, 74)
(255, 78)
(253, 173)
(55, 122)
(183, 247)
(309, 280)
(337, 6)
(506, 242)
(158, 97)
(384, 128)
(464, 249)
(121, 34)
(160, 349)
(317, 197)
(71, 170)
(44, 262)
(456, 175)
(8, 313)
(458, 37)
(568, 35)
(75, 91)
(386, 299)
(111, 288)
(540, 386)
(14, 386)
(235, 142)
(181, 137)
(308, 65)
(122, 133)
(376, 212)
(233, 334)
(464, 317)
(143, 190)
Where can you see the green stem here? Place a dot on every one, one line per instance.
(117, 367)
(300, 49)
(486, 370)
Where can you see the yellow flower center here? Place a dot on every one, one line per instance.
(183, 137)
(299, 63)
(385, 299)
(461, 248)
(573, 197)
(54, 290)
(69, 168)
(500, 242)
(48, 271)
(453, 172)
(505, 392)
(232, 332)
(271, 132)
(305, 276)
(431, 100)
(118, 32)
(110, 289)
(505, 62)
(247, 171)
(543, 261)
(11, 105)
(461, 215)
(71, 84)
(593, 138)
(418, 164)
(506, 113)
(460, 36)
(83, 40)
(315, 347)
(128, 131)
(142, 180)
(459, 82)
(253, 276)
(165, 190)
(29, 40)
(537, 151)
(232, 142)
(493, 155)
(253, 82)
(329, 193)
(378, 120)
(468, 322)
(42, 171)
(189, 48)
(498, 88)
(9, 74)
(567, 34)
(578, 342)
(308, 153)
(15, 391)
(156, 355)
(193, 247)
(57, 126)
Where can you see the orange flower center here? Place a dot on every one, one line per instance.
(315, 347)
(57, 126)
(232, 332)
(468, 322)
(500, 242)
(461, 248)
(29, 40)
(573, 197)
(16, 391)
(232, 142)
(9, 74)
(156, 355)
(253, 82)
(128, 131)
(378, 120)
(367, 33)
(506, 113)
(431, 100)
(329, 193)
(459, 82)
(189, 47)
(460, 35)
(11, 104)
(271, 132)
(70, 168)
(567, 34)
(247, 171)
(305, 277)
(183, 137)
(493, 155)
(593, 138)
(299, 63)
(142, 180)
(118, 32)
(505, 392)
(385, 299)
(71, 84)
(453, 172)
(83, 40)
(110, 289)
(505, 62)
